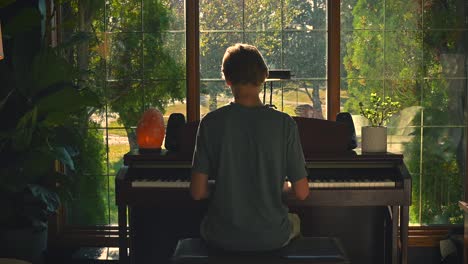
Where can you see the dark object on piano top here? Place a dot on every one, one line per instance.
(322, 136)
(301, 250)
(188, 138)
(279, 74)
(175, 125)
(347, 119)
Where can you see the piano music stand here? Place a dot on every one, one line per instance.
(274, 76)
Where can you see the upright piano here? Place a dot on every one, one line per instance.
(360, 198)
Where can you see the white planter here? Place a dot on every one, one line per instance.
(374, 139)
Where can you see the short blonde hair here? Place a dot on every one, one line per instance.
(244, 64)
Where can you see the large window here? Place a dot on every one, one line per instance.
(416, 51)
(291, 34)
(133, 54)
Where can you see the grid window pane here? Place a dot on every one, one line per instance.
(443, 173)
(444, 102)
(269, 44)
(221, 15)
(305, 54)
(362, 14)
(305, 15)
(445, 15)
(363, 54)
(402, 14)
(403, 54)
(212, 48)
(262, 15)
(125, 56)
(123, 16)
(161, 15)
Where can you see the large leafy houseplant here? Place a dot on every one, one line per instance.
(40, 106)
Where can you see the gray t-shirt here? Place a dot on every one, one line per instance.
(248, 151)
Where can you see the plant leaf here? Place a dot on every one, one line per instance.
(64, 156)
(49, 69)
(24, 130)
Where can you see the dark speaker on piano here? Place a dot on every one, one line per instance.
(347, 119)
(175, 125)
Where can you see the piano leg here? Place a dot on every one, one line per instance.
(395, 216)
(404, 219)
(122, 216)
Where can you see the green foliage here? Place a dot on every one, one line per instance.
(41, 106)
(87, 201)
(379, 111)
(385, 50)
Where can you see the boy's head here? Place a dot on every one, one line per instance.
(243, 64)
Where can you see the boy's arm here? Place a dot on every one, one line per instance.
(300, 188)
(199, 186)
(295, 165)
(200, 165)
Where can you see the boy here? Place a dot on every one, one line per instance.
(248, 149)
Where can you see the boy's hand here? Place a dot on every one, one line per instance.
(199, 186)
(287, 187)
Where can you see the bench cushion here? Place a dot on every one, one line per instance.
(312, 250)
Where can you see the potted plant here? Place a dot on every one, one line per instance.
(40, 108)
(378, 112)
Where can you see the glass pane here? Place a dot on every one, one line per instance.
(445, 53)
(262, 15)
(304, 99)
(221, 15)
(305, 54)
(358, 90)
(123, 16)
(362, 14)
(445, 15)
(408, 94)
(213, 95)
(92, 158)
(212, 48)
(166, 59)
(444, 101)
(410, 145)
(125, 56)
(113, 212)
(161, 15)
(363, 55)
(269, 44)
(89, 202)
(162, 94)
(118, 142)
(403, 54)
(415, 213)
(305, 15)
(403, 14)
(443, 175)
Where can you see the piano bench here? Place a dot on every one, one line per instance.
(303, 250)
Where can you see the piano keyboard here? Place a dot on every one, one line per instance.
(319, 178)
(318, 184)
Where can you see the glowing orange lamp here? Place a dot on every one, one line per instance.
(150, 131)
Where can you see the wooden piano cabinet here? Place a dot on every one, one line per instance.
(366, 220)
(464, 206)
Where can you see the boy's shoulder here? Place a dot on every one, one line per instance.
(270, 113)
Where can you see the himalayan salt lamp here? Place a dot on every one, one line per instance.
(150, 130)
